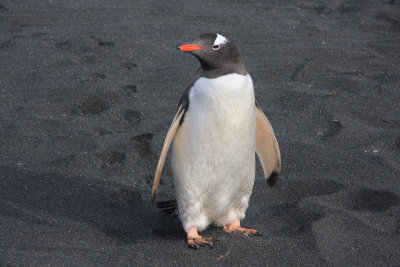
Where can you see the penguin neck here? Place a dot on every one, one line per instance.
(214, 71)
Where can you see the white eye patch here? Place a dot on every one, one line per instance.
(219, 40)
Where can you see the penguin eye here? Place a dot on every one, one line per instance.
(215, 47)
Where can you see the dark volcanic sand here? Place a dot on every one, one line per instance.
(88, 90)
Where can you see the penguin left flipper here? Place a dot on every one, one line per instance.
(267, 148)
(167, 143)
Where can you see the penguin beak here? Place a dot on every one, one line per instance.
(189, 47)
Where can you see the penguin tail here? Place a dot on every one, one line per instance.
(168, 207)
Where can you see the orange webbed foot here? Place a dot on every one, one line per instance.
(200, 241)
(196, 241)
(234, 227)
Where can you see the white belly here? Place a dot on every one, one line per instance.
(213, 156)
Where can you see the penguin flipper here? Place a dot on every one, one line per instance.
(167, 142)
(267, 148)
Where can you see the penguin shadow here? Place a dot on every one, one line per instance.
(168, 225)
(168, 228)
(50, 199)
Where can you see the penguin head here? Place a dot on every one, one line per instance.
(213, 50)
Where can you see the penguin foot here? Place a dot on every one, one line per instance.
(196, 241)
(200, 241)
(234, 227)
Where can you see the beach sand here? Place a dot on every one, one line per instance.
(87, 93)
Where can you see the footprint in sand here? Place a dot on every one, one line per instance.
(92, 105)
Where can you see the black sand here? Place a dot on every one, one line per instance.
(88, 90)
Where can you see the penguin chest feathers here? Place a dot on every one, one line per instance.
(224, 104)
(217, 136)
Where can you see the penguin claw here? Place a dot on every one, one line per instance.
(257, 233)
(235, 227)
(200, 241)
(247, 232)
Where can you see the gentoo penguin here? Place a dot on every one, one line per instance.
(217, 130)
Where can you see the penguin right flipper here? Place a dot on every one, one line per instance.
(167, 142)
(267, 148)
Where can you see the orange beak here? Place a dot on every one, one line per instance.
(189, 47)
